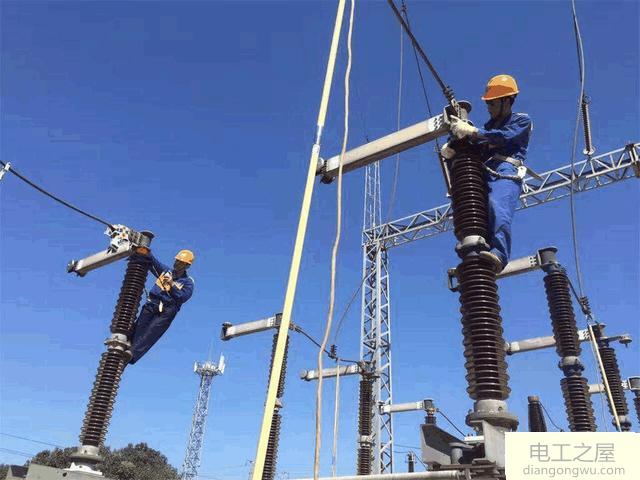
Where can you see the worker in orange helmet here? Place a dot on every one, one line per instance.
(171, 290)
(505, 140)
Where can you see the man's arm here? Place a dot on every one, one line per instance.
(183, 294)
(157, 267)
(516, 132)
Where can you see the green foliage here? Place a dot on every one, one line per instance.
(133, 462)
(3, 470)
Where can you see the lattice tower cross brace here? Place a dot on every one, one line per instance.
(206, 371)
(375, 333)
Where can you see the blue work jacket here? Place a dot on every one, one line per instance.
(180, 292)
(508, 137)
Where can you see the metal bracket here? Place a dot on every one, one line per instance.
(122, 244)
(5, 169)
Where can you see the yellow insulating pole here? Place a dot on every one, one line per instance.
(283, 331)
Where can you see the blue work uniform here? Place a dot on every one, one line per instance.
(508, 137)
(160, 310)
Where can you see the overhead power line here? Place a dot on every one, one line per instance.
(53, 197)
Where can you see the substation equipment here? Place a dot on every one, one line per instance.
(474, 279)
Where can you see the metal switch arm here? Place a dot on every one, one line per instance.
(123, 242)
(389, 145)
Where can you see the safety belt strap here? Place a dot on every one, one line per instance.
(517, 163)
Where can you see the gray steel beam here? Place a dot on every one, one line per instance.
(388, 145)
(441, 475)
(595, 172)
(344, 370)
(538, 343)
(406, 407)
(230, 331)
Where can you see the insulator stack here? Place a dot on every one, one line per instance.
(271, 458)
(577, 400)
(537, 422)
(482, 325)
(636, 403)
(114, 360)
(614, 379)
(411, 462)
(575, 389)
(269, 472)
(365, 414)
(586, 125)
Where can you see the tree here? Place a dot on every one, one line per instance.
(133, 462)
(3, 470)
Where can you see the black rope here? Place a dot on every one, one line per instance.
(446, 90)
(330, 353)
(448, 420)
(57, 199)
(550, 419)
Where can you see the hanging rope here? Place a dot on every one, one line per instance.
(336, 412)
(334, 253)
(396, 173)
(283, 331)
(8, 167)
(574, 234)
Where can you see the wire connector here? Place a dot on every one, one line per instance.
(5, 169)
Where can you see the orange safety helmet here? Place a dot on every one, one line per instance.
(185, 256)
(500, 86)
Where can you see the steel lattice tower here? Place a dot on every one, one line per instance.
(206, 371)
(375, 333)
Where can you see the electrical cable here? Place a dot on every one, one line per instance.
(449, 420)
(396, 173)
(550, 419)
(30, 440)
(346, 310)
(574, 235)
(298, 328)
(334, 253)
(422, 82)
(57, 199)
(446, 90)
(17, 452)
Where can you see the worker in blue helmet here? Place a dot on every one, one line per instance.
(173, 287)
(505, 138)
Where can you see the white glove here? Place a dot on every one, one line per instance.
(461, 128)
(447, 152)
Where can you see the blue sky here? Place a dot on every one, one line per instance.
(195, 120)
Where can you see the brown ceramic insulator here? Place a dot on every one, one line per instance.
(537, 422)
(130, 295)
(469, 197)
(563, 320)
(577, 400)
(102, 399)
(484, 352)
(365, 414)
(269, 471)
(612, 370)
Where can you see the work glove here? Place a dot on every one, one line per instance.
(462, 128)
(447, 152)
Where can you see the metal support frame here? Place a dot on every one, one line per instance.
(591, 173)
(375, 327)
(206, 371)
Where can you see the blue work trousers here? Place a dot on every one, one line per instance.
(150, 326)
(503, 199)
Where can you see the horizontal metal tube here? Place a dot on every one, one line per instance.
(403, 407)
(599, 387)
(100, 259)
(538, 343)
(230, 331)
(388, 145)
(519, 265)
(443, 474)
(309, 375)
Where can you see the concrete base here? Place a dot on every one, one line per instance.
(40, 472)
